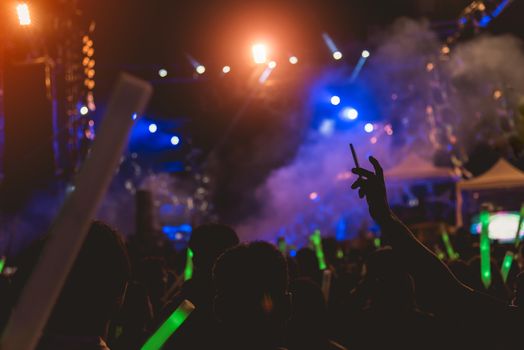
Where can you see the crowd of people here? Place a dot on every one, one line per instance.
(252, 296)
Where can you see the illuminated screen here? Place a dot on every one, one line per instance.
(502, 226)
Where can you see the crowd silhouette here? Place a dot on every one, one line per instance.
(252, 296)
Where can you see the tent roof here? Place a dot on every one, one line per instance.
(415, 168)
(501, 175)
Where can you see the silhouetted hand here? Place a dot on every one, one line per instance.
(372, 186)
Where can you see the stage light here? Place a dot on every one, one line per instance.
(313, 196)
(84, 110)
(368, 127)
(175, 140)
(200, 69)
(445, 49)
(365, 53)
(91, 63)
(497, 94)
(272, 64)
(335, 100)
(293, 60)
(429, 66)
(327, 127)
(373, 140)
(349, 113)
(259, 53)
(153, 128)
(162, 73)
(134, 116)
(24, 18)
(90, 52)
(337, 55)
(91, 73)
(85, 61)
(226, 69)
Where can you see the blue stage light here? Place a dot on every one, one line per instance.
(335, 100)
(349, 113)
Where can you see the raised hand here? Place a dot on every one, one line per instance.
(372, 186)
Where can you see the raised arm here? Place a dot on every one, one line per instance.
(425, 267)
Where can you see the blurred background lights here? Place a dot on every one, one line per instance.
(368, 127)
(162, 73)
(335, 100)
(153, 128)
(24, 18)
(84, 110)
(200, 69)
(337, 55)
(272, 64)
(293, 60)
(313, 196)
(259, 53)
(349, 113)
(175, 140)
(226, 69)
(365, 53)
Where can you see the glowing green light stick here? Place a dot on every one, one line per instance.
(377, 242)
(170, 326)
(519, 227)
(485, 259)
(2, 264)
(340, 253)
(188, 270)
(449, 247)
(317, 243)
(506, 265)
(510, 256)
(282, 245)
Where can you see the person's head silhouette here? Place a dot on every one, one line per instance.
(251, 299)
(207, 242)
(95, 287)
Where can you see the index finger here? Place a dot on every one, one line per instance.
(376, 166)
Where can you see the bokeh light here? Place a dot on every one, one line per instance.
(226, 69)
(153, 128)
(162, 73)
(337, 55)
(349, 113)
(259, 53)
(200, 69)
(293, 60)
(175, 140)
(368, 127)
(335, 100)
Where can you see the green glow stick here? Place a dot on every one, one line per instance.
(449, 247)
(2, 264)
(485, 262)
(282, 245)
(170, 326)
(519, 227)
(188, 270)
(506, 265)
(317, 243)
(377, 242)
(510, 256)
(340, 253)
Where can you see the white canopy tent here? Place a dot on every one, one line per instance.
(502, 175)
(413, 168)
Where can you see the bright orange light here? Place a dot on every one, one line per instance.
(23, 14)
(259, 53)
